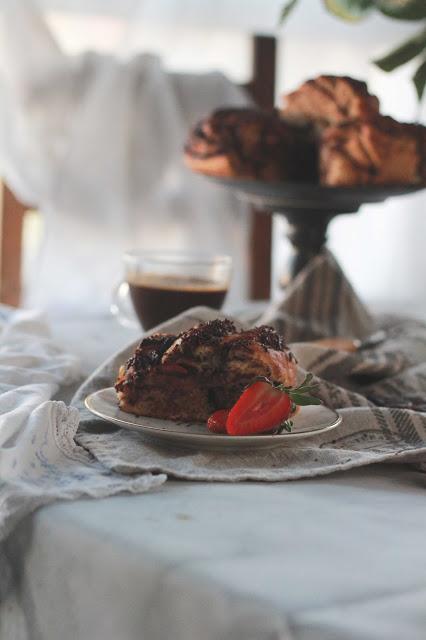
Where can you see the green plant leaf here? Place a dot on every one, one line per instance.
(287, 9)
(304, 399)
(404, 53)
(402, 9)
(419, 79)
(350, 10)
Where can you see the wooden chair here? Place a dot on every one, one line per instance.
(262, 89)
(11, 221)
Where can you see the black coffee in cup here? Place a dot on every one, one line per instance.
(157, 298)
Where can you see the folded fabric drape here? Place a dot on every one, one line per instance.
(39, 459)
(319, 303)
(95, 142)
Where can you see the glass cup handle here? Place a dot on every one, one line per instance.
(121, 306)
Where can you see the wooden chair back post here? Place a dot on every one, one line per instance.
(11, 226)
(262, 89)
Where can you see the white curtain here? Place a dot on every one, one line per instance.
(95, 142)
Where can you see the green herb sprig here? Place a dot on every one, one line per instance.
(300, 396)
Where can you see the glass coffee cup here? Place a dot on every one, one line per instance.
(160, 285)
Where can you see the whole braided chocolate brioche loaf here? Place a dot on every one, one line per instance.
(250, 143)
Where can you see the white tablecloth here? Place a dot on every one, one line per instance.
(341, 557)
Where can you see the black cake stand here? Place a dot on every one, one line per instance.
(309, 208)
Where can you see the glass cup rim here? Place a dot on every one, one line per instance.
(175, 257)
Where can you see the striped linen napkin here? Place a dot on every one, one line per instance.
(320, 302)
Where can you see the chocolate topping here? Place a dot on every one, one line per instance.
(206, 333)
(147, 355)
(265, 336)
(217, 338)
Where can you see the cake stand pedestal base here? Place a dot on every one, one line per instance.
(307, 233)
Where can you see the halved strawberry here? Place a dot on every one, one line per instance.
(217, 421)
(260, 408)
(264, 406)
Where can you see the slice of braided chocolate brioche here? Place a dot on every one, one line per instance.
(188, 376)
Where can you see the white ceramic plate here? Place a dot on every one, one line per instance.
(310, 421)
